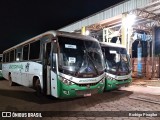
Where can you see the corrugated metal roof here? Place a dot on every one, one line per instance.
(113, 11)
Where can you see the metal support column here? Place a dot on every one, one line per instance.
(153, 50)
(124, 30)
(129, 43)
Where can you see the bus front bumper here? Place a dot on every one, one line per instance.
(115, 84)
(72, 91)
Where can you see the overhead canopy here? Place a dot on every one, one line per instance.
(145, 8)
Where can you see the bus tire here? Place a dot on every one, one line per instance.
(11, 83)
(37, 86)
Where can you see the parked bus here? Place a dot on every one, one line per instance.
(1, 65)
(118, 67)
(60, 64)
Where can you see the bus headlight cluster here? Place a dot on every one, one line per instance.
(65, 81)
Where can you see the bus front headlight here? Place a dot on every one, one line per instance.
(102, 80)
(110, 78)
(65, 81)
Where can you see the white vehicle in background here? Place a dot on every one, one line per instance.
(59, 64)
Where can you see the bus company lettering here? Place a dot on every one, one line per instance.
(88, 80)
(123, 77)
(16, 66)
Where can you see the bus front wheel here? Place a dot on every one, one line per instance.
(37, 86)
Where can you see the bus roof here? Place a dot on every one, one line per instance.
(103, 44)
(55, 34)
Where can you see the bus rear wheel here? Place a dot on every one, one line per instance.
(11, 83)
(37, 86)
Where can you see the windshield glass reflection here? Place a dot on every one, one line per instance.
(117, 60)
(80, 58)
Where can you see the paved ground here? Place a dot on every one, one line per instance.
(19, 98)
(146, 82)
(143, 89)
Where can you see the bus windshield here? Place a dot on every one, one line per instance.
(80, 58)
(117, 60)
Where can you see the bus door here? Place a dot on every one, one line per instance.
(53, 55)
(49, 73)
(46, 68)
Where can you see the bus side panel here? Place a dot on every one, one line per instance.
(14, 69)
(31, 69)
(4, 71)
(23, 72)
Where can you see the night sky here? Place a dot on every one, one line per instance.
(24, 19)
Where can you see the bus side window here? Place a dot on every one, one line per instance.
(12, 56)
(48, 51)
(4, 57)
(18, 56)
(34, 50)
(7, 57)
(15, 54)
(25, 52)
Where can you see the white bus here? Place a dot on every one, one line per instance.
(118, 67)
(1, 65)
(60, 64)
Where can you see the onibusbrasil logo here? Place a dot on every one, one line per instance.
(21, 114)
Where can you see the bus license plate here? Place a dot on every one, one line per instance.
(88, 94)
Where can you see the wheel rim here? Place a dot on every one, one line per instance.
(37, 87)
(10, 79)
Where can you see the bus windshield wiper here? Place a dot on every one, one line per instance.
(86, 53)
(124, 61)
(79, 67)
(95, 67)
(85, 57)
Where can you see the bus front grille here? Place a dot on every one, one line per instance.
(85, 85)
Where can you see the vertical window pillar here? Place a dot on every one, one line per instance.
(124, 30)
